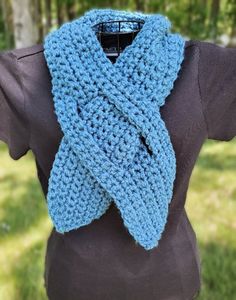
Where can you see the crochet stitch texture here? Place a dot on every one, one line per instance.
(115, 145)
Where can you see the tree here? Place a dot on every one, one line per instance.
(6, 14)
(215, 9)
(24, 24)
(48, 7)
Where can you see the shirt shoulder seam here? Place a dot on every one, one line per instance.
(200, 91)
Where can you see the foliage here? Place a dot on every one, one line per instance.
(213, 20)
(24, 227)
(211, 205)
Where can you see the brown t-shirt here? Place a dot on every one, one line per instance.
(101, 260)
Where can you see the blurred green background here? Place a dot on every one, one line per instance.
(211, 198)
(25, 22)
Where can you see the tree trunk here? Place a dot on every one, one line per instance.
(233, 26)
(48, 24)
(7, 22)
(71, 10)
(139, 5)
(38, 19)
(215, 7)
(60, 7)
(190, 15)
(25, 27)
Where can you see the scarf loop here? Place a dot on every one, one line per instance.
(115, 145)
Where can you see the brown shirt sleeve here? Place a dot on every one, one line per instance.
(217, 82)
(14, 129)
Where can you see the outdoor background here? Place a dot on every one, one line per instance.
(211, 198)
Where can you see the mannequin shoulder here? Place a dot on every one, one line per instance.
(208, 46)
(210, 52)
(201, 44)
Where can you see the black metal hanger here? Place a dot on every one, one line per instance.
(114, 42)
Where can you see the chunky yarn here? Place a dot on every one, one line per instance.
(115, 145)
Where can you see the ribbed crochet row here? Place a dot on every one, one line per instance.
(115, 146)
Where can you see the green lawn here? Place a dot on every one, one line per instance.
(25, 225)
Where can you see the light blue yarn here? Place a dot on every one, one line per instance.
(115, 146)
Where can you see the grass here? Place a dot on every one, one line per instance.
(24, 228)
(211, 205)
(25, 225)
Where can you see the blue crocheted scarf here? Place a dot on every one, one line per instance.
(115, 145)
